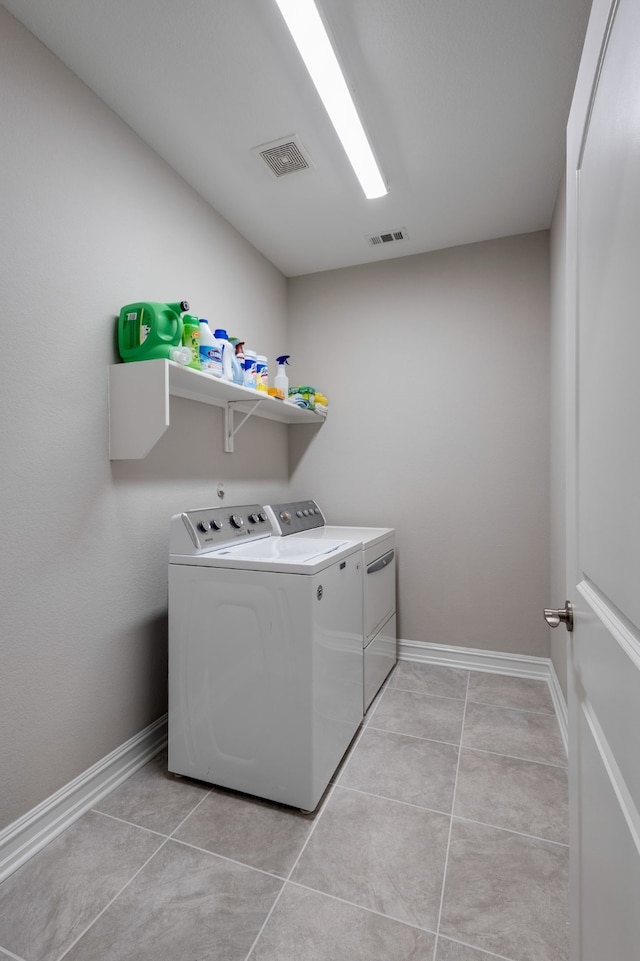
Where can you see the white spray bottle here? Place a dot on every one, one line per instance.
(281, 381)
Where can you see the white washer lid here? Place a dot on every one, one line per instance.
(289, 555)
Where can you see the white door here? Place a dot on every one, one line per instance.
(603, 487)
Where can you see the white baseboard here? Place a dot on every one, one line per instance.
(22, 839)
(560, 705)
(494, 662)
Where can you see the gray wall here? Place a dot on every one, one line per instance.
(437, 370)
(558, 586)
(92, 219)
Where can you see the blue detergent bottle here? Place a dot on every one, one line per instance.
(228, 352)
(210, 350)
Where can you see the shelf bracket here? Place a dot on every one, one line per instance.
(229, 430)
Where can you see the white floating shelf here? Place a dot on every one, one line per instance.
(139, 404)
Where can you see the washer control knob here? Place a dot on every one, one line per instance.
(262, 516)
(298, 513)
(306, 512)
(204, 526)
(285, 516)
(236, 520)
(253, 518)
(214, 524)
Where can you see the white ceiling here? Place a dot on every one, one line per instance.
(465, 101)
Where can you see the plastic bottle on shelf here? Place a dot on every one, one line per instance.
(191, 339)
(237, 371)
(227, 352)
(262, 373)
(181, 355)
(281, 381)
(250, 363)
(238, 368)
(148, 330)
(210, 350)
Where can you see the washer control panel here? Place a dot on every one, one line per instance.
(295, 517)
(210, 528)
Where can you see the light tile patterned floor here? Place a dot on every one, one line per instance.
(443, 838)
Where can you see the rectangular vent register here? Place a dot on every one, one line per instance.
(388, 237)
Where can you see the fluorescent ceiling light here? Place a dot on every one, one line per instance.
(310, 36)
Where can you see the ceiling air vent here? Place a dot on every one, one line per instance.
(285, 156)
(388, 237)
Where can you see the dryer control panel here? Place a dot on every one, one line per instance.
(295, 517)
(210, 528)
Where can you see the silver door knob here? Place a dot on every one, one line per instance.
(565, 616)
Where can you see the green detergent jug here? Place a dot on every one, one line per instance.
(149, 331)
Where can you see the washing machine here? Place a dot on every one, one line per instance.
(265, 654)
(304, 519)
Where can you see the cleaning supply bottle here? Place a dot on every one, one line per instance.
(281, 381)
(238, 367)
(210, 350)
(148, 330)
(237, 371)
(191, 339)
(250, 363)
(181, 355)
(227, 353)
(262, 373)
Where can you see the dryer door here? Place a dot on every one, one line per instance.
(379, 586)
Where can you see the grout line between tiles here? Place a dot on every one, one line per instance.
(108, 905)
(284, 882)
(192, 811)
(4, 952)
(410, 690)
(510, 707)
(142, 827)
(328, 797)
(323, 807)
(394, 800)
(521, 834)
(361, 907)
(513, 757)
(266, 921)
(420, 737)
(453, 804)
(131, 824)
(225, 857)
(489, 954)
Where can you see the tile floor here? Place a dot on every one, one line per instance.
(443, 838)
